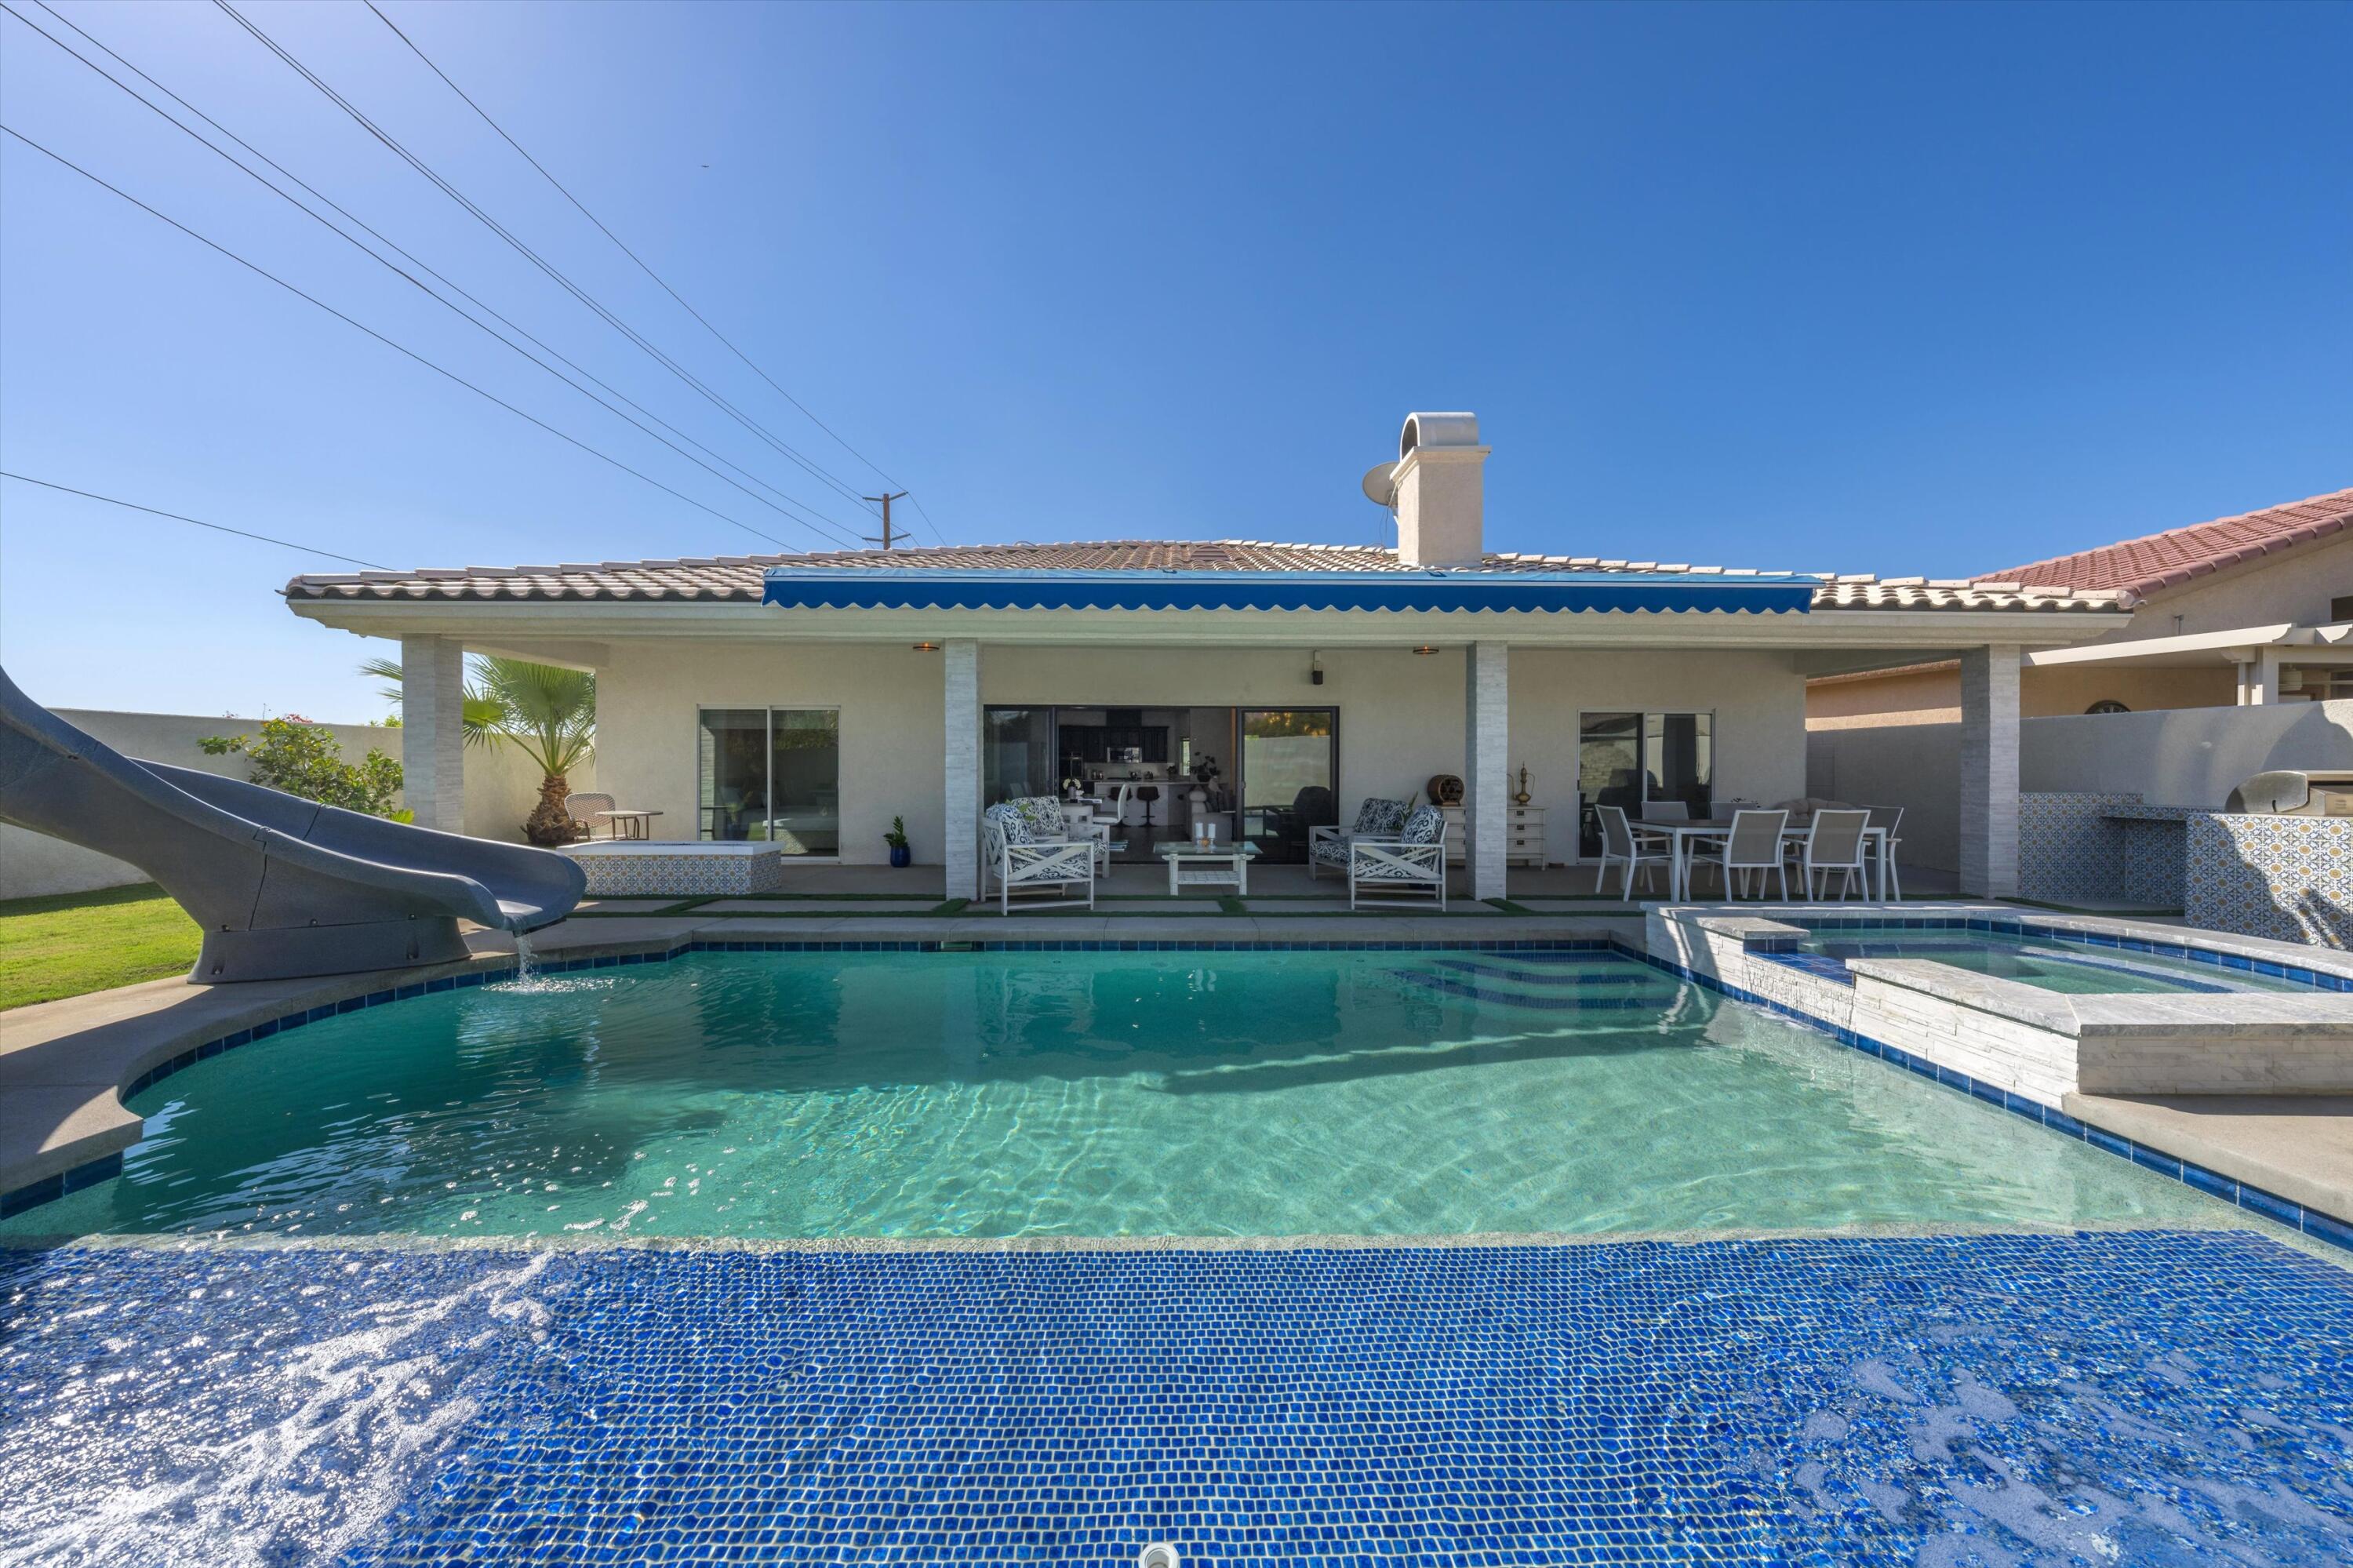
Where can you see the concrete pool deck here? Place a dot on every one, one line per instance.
(65, 1065)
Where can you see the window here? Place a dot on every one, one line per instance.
(1624, 759)
(2108, 705)
(772, 775)
(2341, 609)
(2317, 682)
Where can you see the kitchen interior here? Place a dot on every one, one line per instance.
(1265, 775)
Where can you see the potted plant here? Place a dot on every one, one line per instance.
(901, 855)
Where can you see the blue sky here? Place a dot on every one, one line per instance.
(1893, 289)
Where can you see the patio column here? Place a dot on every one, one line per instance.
(960, 749)
(433, 731)
(1989, 770)
(2259, 677)
(1487, 764)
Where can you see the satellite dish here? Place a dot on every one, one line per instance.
(1379, 489)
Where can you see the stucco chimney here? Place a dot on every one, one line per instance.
(1440, 492)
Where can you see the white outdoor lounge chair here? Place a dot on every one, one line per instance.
(1620, 847)
(1011, 851)
(1891, 817)
(1406, 869)
(1753, 845)
(1328, 845)
(1834, 843)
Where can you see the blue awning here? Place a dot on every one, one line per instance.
(917, 588)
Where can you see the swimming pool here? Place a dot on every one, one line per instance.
(1082, 1094)
(1525, 1257)
(2047, 961)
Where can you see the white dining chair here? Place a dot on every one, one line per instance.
(1833, 842)
(1620, 847)
(1665, 811)
(1890, 819)
(1753, 845)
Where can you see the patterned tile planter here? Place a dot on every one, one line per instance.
(680, 870)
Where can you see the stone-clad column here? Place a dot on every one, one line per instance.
(960, 669)
(1487, 764)
(1989, 771)
(433, 731)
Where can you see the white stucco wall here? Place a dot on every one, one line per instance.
(1402, 716)
(501, 788)
(2181, 757)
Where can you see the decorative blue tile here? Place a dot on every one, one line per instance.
(2137, 1398)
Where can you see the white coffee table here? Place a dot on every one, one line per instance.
(1228, 865)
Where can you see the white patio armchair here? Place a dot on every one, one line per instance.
(1012, 853)
(1620, 847)
(1754, 845)
(1834, 843)
(1328, 846)
(1405, 870)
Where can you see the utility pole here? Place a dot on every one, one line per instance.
(887, 536)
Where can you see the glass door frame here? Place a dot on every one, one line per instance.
(1641, 761)
(1239, 769)
(703, 832)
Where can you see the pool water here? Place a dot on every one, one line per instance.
(1085, 1094)
(2045, 963)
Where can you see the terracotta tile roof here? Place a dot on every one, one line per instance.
(2143, 566)
(738, 579)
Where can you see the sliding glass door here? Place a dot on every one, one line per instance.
(1628, 759)
(772, 775)
(1290, 771)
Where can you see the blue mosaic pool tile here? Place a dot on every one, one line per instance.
(2137, 1398)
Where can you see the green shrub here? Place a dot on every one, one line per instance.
(305, 759)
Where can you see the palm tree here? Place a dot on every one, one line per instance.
(546, 712)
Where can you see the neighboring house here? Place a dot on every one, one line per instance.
(2250, 610)
(809, 699)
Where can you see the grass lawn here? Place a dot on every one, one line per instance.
(79, 942)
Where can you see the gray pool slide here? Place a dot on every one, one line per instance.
(283, 887)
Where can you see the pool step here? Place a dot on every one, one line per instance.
(1655, 991)
(1608, 971)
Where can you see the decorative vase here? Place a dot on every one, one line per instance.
(1444, 789)
(901, 856)
(1522, 798)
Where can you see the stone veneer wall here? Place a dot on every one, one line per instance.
(2288, 878)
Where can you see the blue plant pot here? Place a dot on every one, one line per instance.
(903, 858)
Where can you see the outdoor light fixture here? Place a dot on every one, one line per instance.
(927, 647)
(1426, 650)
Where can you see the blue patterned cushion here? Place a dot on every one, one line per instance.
(1011, 821)
(1330, 852)
(1379, 818)
(1042, 812)
(1424, 825)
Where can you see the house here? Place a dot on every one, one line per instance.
(2251, 610)
(810, 699)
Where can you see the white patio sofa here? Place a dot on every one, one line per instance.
(1405, 869)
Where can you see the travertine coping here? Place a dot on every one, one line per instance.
(1762, 920)
(2251, 1014)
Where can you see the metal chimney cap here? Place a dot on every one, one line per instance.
(1438, 430)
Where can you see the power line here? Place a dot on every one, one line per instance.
(648, 271)
(405, 276)
(175, 516)
(408, 352)
(536, 259)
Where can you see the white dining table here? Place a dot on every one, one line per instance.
(1686, 835)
